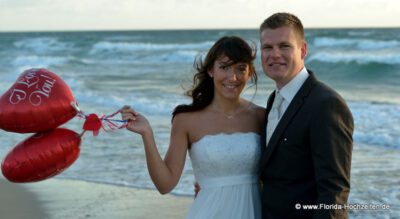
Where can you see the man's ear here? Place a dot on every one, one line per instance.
(304, 50)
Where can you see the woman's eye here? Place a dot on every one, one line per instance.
(242, 68)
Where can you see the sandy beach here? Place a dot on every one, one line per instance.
(59, 199)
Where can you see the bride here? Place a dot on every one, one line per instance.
(219, 129)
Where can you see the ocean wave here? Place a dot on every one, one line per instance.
(356, 56)
(124, 47)
(360, 33)
(40, 61)
(156, 104)
(9, 77)
(124, 37)
(364, 44)
(176, 56)
(42, 45)
(26, 62)
(376, 124)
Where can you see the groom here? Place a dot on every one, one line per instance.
(307, 146)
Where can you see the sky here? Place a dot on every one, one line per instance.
(56, 15)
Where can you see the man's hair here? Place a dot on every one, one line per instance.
(283, 19)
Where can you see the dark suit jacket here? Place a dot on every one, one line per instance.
(308, 157)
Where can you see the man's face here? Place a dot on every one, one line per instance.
(282, 54)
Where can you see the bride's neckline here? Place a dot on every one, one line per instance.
(224, 134)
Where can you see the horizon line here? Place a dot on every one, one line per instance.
(181, 29)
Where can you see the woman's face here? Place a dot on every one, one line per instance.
(229, 79)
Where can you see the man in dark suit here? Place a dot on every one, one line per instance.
(307, 146)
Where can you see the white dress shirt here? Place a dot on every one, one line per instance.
(290, 89)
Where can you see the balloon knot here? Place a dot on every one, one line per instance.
(92, 123)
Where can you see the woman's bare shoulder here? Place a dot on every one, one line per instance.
(186, 118)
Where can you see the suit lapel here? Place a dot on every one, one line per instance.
(289, 114)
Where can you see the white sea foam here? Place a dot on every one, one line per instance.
(330, 42)
(107, 46)
(360, 33)
(175, 56)
(179, 56)
(124, 37)
(42, 45)
(33, 61)
(360, 43)
(376, 124)
(391, 58)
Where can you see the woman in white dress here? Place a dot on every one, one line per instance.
(221, 132)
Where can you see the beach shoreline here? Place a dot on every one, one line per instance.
(64, 198)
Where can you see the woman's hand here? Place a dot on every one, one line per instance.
(136, 122)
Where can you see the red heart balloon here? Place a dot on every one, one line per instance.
(41, 156)
(39, 100)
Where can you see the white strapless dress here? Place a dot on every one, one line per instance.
(226, 166)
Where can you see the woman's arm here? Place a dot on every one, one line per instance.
(166, 173)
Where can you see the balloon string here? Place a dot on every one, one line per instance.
(105, 119)
(109, 122)
(82, 133)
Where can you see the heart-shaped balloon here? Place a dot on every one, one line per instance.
(38, 101)
(41, 156)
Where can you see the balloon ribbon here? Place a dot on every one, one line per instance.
(94, 123)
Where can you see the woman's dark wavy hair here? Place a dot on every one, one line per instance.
(202, 90)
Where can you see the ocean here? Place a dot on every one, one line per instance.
(149, 70)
